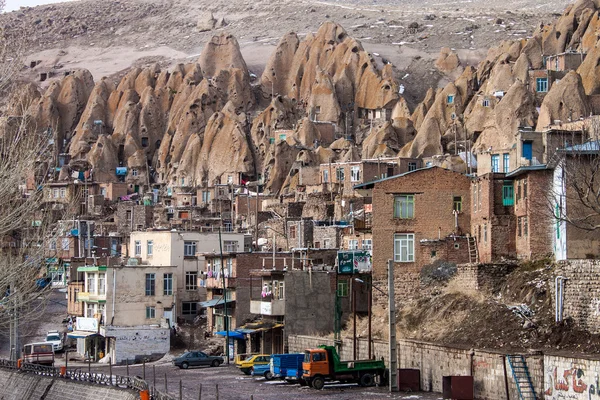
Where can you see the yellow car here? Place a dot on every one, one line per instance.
(256, 359)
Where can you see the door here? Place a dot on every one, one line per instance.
(168, 316)
(528, 150)
(202, 359)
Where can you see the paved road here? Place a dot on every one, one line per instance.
(233, 385)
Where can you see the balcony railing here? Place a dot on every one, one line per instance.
(217, 283)
(362, 225)
(90, 297)
(268, 306)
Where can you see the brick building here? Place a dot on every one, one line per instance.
(413, 212)
(510, 216)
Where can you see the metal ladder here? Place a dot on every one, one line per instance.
(521, 376)
(473, 252)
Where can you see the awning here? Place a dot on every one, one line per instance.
(255, 328)
(214, 302)
(232, 334)
(81, 334)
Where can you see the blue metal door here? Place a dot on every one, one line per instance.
(527, 150)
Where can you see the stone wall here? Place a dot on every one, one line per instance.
(482, 276)
(436, 361)
(571, 378)
(19, 386)
(581, 292)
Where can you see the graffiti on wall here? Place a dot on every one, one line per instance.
(570, 383)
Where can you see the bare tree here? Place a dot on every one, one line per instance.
(25, 226)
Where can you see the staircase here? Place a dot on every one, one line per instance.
(473, 253)
(521, 376)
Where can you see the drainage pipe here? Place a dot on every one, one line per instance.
(559, 288)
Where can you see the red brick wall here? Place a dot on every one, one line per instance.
(434, 189)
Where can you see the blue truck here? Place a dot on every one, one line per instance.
(288, 367)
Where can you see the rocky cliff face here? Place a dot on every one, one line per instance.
(320, 99)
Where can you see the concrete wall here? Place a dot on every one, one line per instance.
(137, 342)
(19, 386)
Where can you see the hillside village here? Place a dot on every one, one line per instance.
(199, 202)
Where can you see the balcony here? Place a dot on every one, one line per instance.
(362, 225)
(91, 297)
(268, 307)
(217, 283)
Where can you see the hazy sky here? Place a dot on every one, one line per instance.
(12, 5)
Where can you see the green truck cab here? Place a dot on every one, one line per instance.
(324, 364)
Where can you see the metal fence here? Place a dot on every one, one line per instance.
(119, 381)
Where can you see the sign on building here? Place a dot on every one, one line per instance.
(353, 262)
(86, 324)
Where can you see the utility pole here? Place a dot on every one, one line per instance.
(393, 344)
(225, 316)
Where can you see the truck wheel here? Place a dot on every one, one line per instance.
(318, 383)
(366, 380)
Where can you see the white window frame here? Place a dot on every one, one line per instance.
(367, 244)
(355, 174)
(149, 247)
(404, 247)
(352, 244)
(102, 284)
(137, 248)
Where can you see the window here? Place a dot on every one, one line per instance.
(506, 162)
(189, 308)
(144, 141)
(101, 284)
(485, 233)
(149, 247)
(293, 232)
(63, 193)
(327, 244)
(450, 99)
(206, 196)
(189, 249)
(495, 163)
(91, 283)
(325, 176)
(486, 102)
(150, 285)
(525, 227)
(191, 280)
(317, 109)
(367, 244)
(138, 247)
(525, 188)
(182, 181)
(404, 206)
(56, 193)
(230, 245)
(457, 203)
(150, 312)
(134, 172)
(541, 85)
(404, 247)
(167, 284)
(429, 164)
(519, 224)
(52, 244)
(355, 174)
(352, 244)
(508, 194)
(282, 136)
(91, 310)
(433, 253)
(339, 174)
(229, 267)
(412, 166)
(65, 244)
(128, 215)
(342, 289)
(475, 197)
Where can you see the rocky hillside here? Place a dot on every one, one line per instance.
(202, 122)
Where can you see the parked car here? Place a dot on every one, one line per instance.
(196, 358)
(254, 360)
(56, 339)
(262, 370)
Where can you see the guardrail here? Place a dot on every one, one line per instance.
(119, 381)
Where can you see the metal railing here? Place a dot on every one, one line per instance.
(118, 381)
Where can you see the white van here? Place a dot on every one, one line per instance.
(38, 353)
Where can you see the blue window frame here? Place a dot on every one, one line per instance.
(495, 163)
(541, 85)
(508, 194)
(527, 150)
(506, 163)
